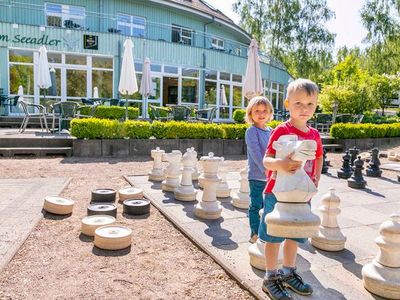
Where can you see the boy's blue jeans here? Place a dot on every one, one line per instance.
(256, 203)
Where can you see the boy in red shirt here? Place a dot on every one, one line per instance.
(301, 102)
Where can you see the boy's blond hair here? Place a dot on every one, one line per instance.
(258, 100)
(302, 84)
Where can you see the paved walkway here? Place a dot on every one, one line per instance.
(333, 275)
(21, 205)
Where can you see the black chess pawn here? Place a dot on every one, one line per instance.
(357, 181)
(325, 163)
(373, 169)
(345, 171)
(353, 155)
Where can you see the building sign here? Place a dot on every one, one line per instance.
(90, 42)
(43, 40)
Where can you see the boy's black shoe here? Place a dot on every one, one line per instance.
(274, 288)
(294, 282)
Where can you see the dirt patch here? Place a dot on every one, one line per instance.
(56, 262)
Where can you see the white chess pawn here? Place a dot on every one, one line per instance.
(382, 275)
(196, 174)
(186, 191)
(208, 207)
(292, 216)
(330, 237)
(257, 252)
(241, 199)
(173, 170)
(223, 190)
(157, 173)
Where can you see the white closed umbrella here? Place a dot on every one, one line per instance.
(127, 82)
(146, 85)
(253, 82)
(95, 92)
(20, 93)
(222, 99)
(44, 79)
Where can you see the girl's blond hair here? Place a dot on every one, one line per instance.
(258, 100)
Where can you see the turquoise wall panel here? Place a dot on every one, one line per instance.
(4, 69)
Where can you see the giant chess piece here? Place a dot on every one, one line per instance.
(186, 191)
(172, 171)
(223, 190)
(353, 155)
(330, 237)
(241, 199)
(196, 174)
(357, 180)
(292, 216)
(157, 173)
(208, 207)
(382, 275)
(257, 252)
(345, 171)
(325, 163)
(373, 169)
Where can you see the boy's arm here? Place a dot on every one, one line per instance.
(319, 163)
(281, 164)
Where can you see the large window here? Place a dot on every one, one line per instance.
(182, 35)
(132, 25)
(61, 15)
(190, 85)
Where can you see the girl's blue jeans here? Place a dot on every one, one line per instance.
(256, 203)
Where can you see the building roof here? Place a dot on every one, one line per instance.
(203, 6)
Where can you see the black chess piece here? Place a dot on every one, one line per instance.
(357, 181)
(325, 163)
(353, 155)
(345, 171)
(373, 169)
(398, 178)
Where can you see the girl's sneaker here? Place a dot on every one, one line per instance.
(253, 239)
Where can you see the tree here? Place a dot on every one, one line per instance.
(384, 88)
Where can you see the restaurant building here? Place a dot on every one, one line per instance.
(196, 52)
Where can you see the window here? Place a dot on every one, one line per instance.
(132, 25)
(69, 16)
(182, 35)
(217, 43)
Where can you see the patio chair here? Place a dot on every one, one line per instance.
(205, 115)
(41, 114)
(8, 102)
(66, 111)
(160, 113)
(344, 118)
(322, 122)
(180, 112)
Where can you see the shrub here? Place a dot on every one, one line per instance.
(234, 131)
(274, 123)
(359, 131)
(137, 129)
(115, 112)
(238, 115)
(96, 129)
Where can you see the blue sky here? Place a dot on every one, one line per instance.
(347, 24)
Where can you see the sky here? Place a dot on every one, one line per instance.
(347, 23)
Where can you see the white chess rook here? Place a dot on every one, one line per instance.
(208, 207)
(157, 173)
(292, 216)
(173, 170)
(241, 199)
(186, 191)
(330, 237)
(223, 190)
(382, 275)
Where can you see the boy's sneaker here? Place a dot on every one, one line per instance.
(274, 288)
(294, 282)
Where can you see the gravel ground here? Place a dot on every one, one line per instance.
(56, 262)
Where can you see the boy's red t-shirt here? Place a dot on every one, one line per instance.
(285, 129)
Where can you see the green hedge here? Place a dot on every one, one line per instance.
(112, 112)
(112, 129)
(360, 131)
